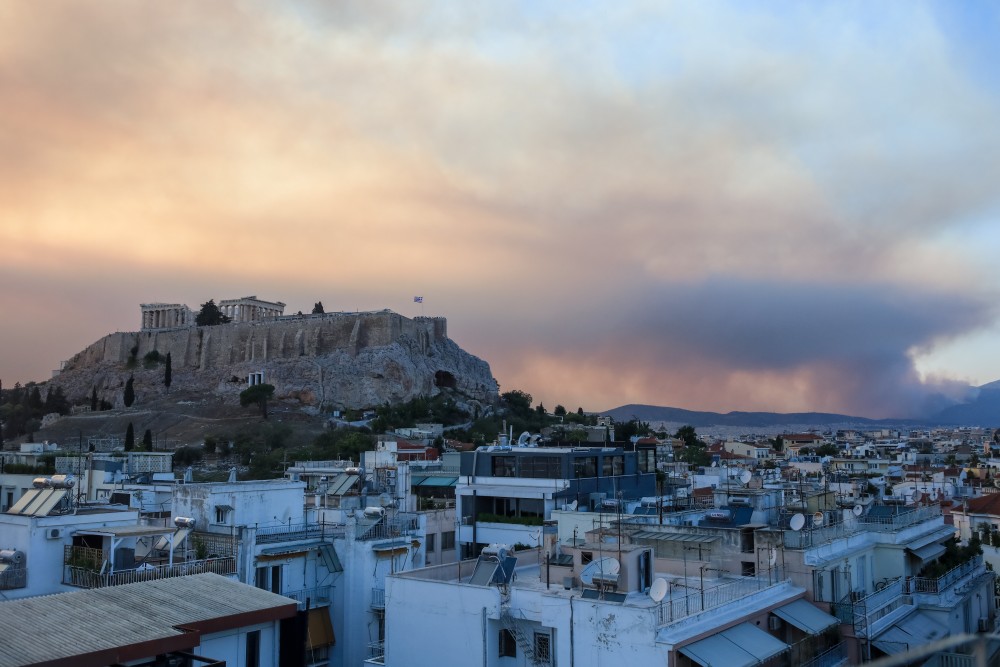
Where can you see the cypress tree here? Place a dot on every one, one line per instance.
(129, 437)
(129, 397)
(147, 440)
(167, 373)
(93, 400)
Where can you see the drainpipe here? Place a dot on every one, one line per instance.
(571, 658)
(484, 636)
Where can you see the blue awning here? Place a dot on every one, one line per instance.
(806, 617)
(928, 552)
(743, 645)
(914, 630)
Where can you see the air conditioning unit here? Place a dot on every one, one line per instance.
(773, 623)
(984, 625)
(53, 533)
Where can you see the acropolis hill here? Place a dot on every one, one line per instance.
(331, 360)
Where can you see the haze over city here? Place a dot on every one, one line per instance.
(715, 206)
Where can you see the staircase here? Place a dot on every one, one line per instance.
(513, 626)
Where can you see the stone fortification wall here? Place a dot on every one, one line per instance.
(336, 359)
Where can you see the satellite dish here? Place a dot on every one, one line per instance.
(798, 522)
(715, 464)
(522, 440)
(918, 495)
(772, 556)
(818, 519)
(745, 476)
(658, 590)
(604, 570)
(572, 506)
(858, 510)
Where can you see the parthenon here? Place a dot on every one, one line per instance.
(250, 309)
(166, 316)
(177, 315)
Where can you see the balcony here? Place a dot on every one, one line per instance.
(376, 653)
(378, 599)
(676, 607)
(89, 568)
(397, 526)
(314, 597)
(297, 532)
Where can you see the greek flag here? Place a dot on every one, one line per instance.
(418, 299)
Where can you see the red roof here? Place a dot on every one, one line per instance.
(988, 504)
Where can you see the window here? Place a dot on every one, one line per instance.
(748, 569)
(508, 647)
(253, 649)
(504, 466)
(586, 557)
(447, 540)
(585, 466)
(430, 542)
(612, 465)
(222, 513)
(543, 648)
(647, 460)
(541, 467)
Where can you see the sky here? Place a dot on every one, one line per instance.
(707, 205)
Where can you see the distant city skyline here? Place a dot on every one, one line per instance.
(707, 205)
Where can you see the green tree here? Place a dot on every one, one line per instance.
(129, 397)
(167, 373)
(559, 411)
(93, 400)
(688, 436)
(147, 440)
(318, 308)
(210, 315)
(210, 444)
(257, 395)
(129, 438)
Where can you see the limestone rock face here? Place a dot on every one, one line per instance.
(333, 360)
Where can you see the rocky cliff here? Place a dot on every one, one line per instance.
(333, 360)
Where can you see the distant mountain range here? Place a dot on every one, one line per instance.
(982, 410)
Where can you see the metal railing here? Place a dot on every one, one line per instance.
(397, 526)
(674, 608)
(951, 660)
(378, 598)
(803, 539)
(948, 579)
(13, 578)
(829, 658)
(84, 577)
(313, 596)
(290, 533)
(376, 652)
(864, 611)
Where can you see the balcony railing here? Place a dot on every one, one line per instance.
(948, 579)
(378, 598)
(803, 539)
(319, 596)
(294, 532)
(11, 578)
(376, 652)
(829, 658)
(674, 607)
(86, 577)
(399, 525)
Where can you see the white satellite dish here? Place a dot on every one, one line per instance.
(798, 522)
(858, 510)
(603, 569)
(818, 519)
(572, 506)
(523, 439)
(715, 464)
(772, 556)
(658, 590)
(745, 476)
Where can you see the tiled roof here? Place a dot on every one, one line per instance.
(988, 504)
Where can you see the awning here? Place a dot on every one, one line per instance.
(806, 617)
(743, 645)
(914, 630)
(928, 552)
(438, 481)
(320, 630)
(674, 537)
